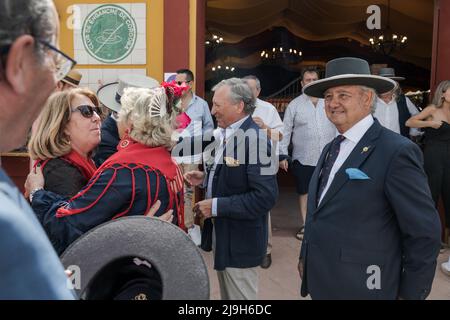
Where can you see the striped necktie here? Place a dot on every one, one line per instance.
(332, 155)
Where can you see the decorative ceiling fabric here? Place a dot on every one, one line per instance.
(322, 20)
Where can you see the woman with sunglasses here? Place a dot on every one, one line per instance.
(139, 175)
(68, 132)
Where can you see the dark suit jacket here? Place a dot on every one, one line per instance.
(63, 178)
(388, 221)
(245, 196)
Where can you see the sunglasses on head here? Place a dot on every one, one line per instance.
(87, 111)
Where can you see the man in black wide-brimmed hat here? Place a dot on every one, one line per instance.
(366, 235)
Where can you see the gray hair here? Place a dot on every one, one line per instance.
(20, 17)
(373, 102)
(239, 91)
(139, 106)
(252, 77)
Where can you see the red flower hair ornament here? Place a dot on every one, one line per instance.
(174, 93)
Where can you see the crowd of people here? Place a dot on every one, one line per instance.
(368, 198)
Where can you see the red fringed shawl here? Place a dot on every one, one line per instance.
(148, 159)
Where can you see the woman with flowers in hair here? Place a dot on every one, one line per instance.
(140, 175)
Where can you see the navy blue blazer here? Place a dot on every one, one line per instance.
(383, 229)
(245, 196)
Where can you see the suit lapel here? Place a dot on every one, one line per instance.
(356, 158)
(239, 140)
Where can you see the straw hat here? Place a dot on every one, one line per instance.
(73, 78)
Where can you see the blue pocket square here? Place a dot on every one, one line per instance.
(356, 174)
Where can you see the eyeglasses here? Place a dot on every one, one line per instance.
(181, 82)
(63, 63)
(87, 111)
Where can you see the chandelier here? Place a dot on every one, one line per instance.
(281, 55)
(213, 40)
(223, 69)
(386, 41)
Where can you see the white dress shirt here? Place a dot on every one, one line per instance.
(270, 116)
(387, 115)
(352, 137)
(311, 128)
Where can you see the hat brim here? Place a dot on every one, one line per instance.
(107, 96)
(75, 85)
(318, 88)
(169, 250)
(396, 78)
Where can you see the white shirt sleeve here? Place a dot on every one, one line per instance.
(413, 111)
(288, 123)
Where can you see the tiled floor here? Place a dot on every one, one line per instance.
(281, 280)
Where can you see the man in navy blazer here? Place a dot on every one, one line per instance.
(372, 231)
(241, 188)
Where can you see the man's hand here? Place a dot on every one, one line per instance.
(284, 165)
(35, 180)
(300, 268)
(259, 122)
(168, 216)
(194, 178)
(203, 208)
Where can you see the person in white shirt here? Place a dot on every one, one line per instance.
(393, 108)
(305, 120)
(266, 117)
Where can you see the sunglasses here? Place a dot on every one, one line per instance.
(181, 82)
(87, 111)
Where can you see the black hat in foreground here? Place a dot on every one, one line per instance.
(348, 71)
(137, 258)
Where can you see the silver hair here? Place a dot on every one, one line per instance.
(373, 102)
(255, 78)
(33, 17)
(142, 107)
(239, 91)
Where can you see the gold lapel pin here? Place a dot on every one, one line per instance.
(365, 149)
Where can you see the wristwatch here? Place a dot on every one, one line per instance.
(33, 192)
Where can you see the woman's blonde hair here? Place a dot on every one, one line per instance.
(150, 115)
(50, 141)
(438, 99)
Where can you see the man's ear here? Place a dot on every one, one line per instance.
(240, 107)
(19, 63)
(369, 97)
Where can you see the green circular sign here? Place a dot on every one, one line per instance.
(109, 33)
